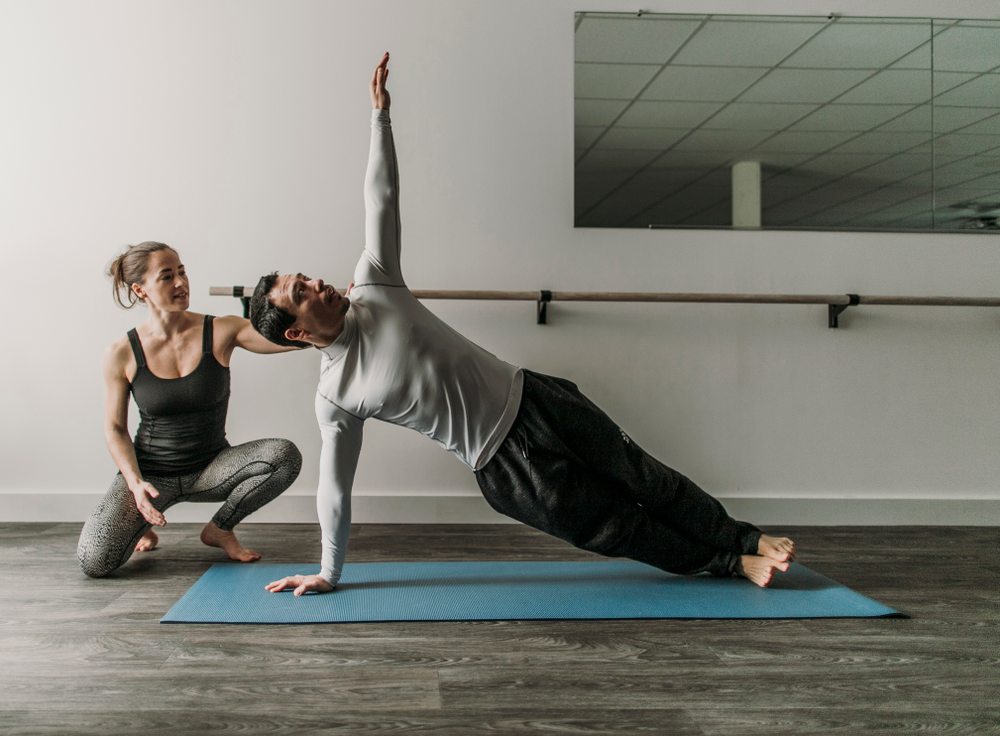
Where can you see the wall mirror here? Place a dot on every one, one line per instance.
(787, 122)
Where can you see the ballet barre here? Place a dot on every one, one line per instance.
(836, 303)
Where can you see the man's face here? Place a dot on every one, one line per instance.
(319, 309)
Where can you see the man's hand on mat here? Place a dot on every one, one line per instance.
(144, 493)
(302, 583)
(380, 95)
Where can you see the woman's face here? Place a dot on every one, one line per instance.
(165, 284)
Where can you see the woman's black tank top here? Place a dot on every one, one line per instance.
(182, 423)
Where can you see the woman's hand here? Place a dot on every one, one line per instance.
(144, 492)
(380, 95)
(302, 583)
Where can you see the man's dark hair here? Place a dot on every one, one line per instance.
(269, 320)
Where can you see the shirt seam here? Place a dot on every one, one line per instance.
(375, 283)
(326, 398)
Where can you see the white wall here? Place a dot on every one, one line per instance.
(238, 132)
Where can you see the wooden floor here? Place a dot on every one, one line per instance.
(81, 656)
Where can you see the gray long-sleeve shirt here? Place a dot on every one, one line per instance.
(397, 362)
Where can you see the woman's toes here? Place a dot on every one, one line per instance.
(147, 542)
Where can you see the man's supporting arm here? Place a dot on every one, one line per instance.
(342, 437)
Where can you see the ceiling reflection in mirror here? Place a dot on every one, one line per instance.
(787, 122)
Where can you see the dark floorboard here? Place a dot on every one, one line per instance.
(82, 656)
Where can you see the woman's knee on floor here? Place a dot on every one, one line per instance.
(108, 537)
(94, 566)
(96, 560)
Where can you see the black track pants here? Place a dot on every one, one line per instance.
(567, 469)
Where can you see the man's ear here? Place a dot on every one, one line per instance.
(297, 334)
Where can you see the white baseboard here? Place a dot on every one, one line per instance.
(473, 509)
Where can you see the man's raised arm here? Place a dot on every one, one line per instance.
(382, 242)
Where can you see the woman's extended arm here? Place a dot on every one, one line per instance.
(116, 432)
(239, 333)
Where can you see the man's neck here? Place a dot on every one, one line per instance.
(327, 339)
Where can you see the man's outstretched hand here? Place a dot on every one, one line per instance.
(380, 95)
(301, 583)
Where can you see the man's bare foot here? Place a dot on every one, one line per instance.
(148, 541)
(213, 536)
(759, 570)
(779, 549)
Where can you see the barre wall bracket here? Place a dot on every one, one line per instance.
(544, 297)
(835, 310)
(244, 300)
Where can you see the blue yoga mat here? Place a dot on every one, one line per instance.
(489, 591)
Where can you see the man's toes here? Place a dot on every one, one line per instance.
(777, 555)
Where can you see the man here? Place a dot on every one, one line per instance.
(541, 451)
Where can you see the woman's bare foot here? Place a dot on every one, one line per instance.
(759, 570)
(148, 541)
(779, 549)
(213, 536)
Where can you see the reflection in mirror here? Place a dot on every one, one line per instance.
(793, 122)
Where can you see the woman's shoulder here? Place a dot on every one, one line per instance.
(229, 320)
(228, 324)
(121, 345)
(118, 354)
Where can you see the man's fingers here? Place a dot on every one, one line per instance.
(287, 582)
(302, 584)
(277, 585)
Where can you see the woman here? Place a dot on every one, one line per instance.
(176, 365)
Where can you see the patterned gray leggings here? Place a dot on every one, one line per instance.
(244, 478)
